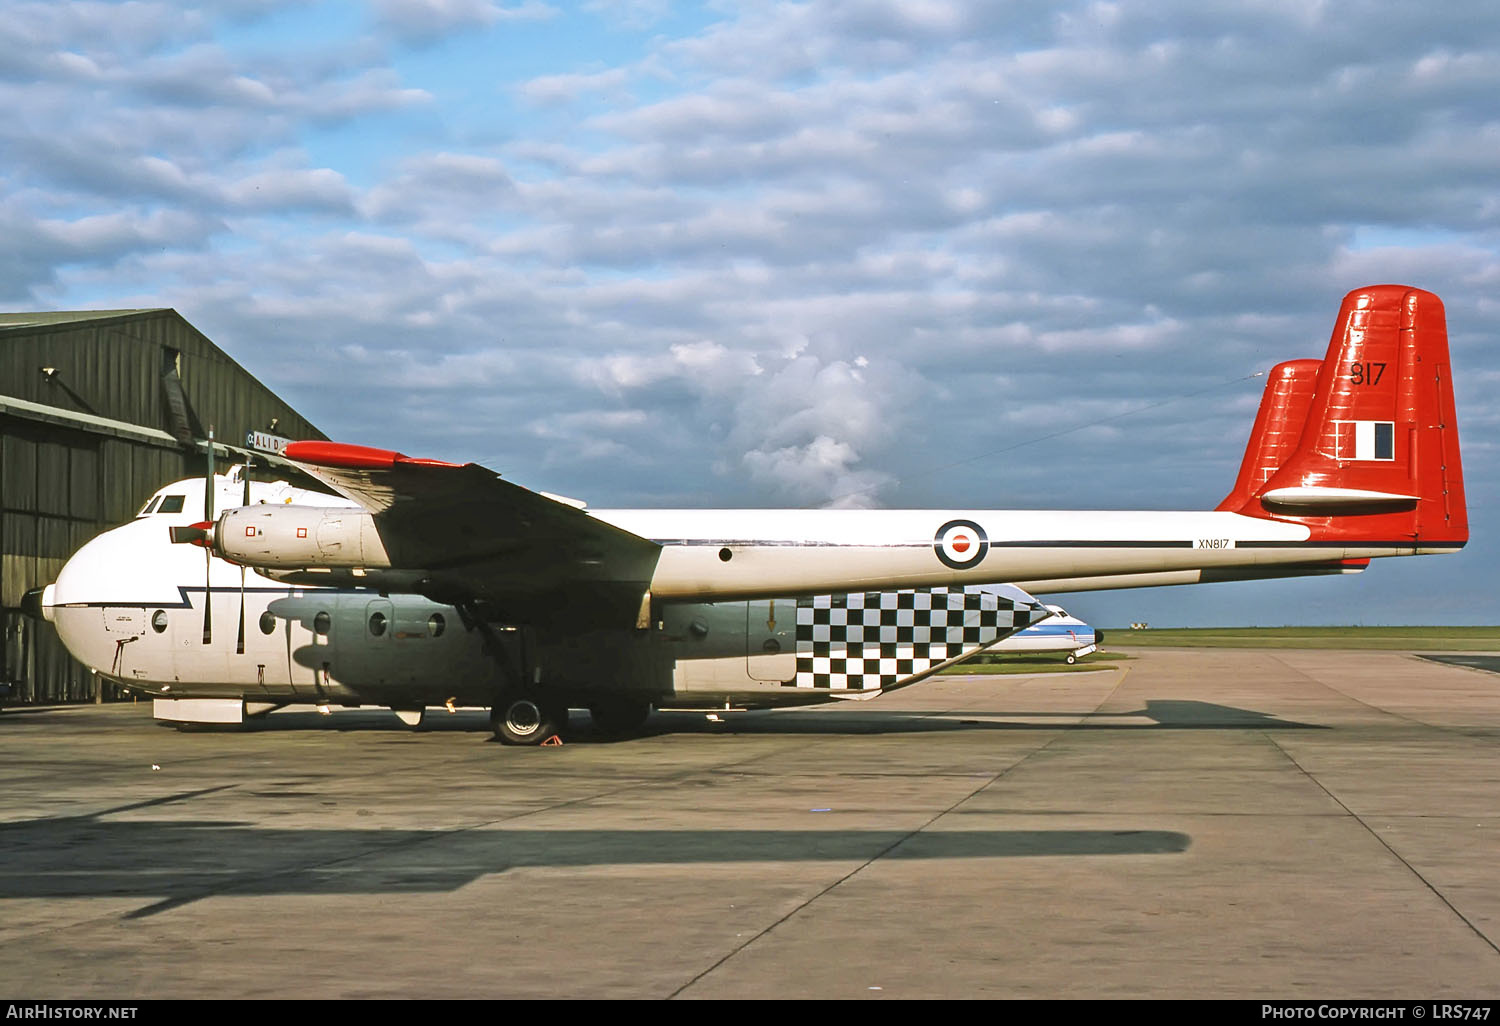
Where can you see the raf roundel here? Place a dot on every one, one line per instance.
(961, 544)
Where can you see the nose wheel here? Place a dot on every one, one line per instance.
(527, 719)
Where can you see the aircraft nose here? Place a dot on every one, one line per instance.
(36, 603)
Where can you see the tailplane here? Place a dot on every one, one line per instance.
(1363, 446)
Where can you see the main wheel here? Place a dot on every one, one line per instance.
(619, 716)
(526, 719)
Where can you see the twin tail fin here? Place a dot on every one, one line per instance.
(1362, 446)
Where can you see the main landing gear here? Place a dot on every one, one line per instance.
(527, 719)
(525, 712)
(522, 713)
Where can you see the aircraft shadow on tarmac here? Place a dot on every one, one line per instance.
(172, 863)
(1473, 662)
(1176, 714)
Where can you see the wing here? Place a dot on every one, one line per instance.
(479, 539)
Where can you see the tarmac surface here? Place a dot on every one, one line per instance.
(1207, 823)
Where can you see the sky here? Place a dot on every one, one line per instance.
(924, 254)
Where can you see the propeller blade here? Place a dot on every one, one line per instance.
(208, 598)
(208, 554)
(208, 490)
(200, 533)
(239, 645)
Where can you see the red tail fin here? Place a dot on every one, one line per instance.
(1278, 427)
(1377, 458)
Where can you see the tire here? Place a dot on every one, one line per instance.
(526, 720)
(619, 717)
(1072, 659)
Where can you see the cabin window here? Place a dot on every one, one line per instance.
(321, 623)
(170, 504)
(267, 622)
(436, 624)
(159, 620)
(377, 624)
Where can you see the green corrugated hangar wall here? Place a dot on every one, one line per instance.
(98, 409)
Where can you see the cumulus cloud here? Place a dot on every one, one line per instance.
(807, 427)
(558, 89)
(424, 21)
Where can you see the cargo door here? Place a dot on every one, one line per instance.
(771, 640)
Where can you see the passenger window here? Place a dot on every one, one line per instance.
(171, 504)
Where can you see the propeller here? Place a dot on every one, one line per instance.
(239, 645)
(202, 534)
(208, 555)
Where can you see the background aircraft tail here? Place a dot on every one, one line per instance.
(1363, 446)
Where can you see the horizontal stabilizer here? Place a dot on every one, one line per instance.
(1314, 501)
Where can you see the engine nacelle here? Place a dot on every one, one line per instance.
(299, 536)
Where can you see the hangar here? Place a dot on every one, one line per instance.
(98, 409)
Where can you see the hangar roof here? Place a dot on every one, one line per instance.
(51, 317)
(147, 367)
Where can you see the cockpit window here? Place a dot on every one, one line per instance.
(148, 507)
(171, 504)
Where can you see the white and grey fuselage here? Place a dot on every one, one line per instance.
(756, 607)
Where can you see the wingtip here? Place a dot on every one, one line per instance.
(343, 456)
(340, 454)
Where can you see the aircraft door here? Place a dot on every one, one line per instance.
(365, 651)
(123, 625)
(369, 657)
(771, 640)
(379, 623)
(307, 634)
(124, 621)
